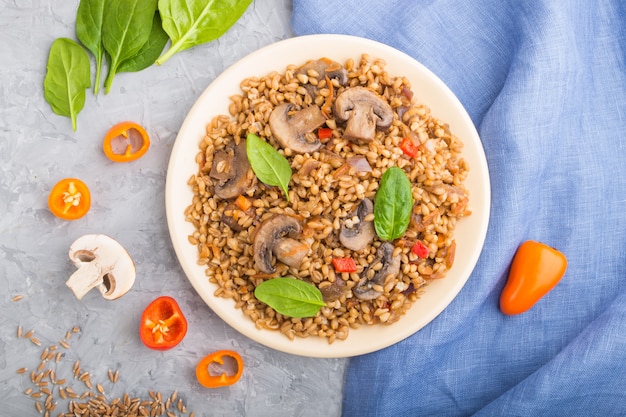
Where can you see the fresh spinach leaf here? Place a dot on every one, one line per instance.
(150, 51)
(290, 297)
(89, 32)
(126, 28)
(67, 78)
(193, 22)
(268, 164)
(393, 204)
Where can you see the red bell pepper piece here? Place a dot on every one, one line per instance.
(344, 265)
(324, 133)
(420, 249)
(409, 147)
(163, 324)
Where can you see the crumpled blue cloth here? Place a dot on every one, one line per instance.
(545, 84)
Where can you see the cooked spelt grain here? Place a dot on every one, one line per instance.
(323, 192)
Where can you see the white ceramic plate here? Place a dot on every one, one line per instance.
(429, 89)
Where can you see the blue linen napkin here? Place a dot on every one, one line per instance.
(545, 84)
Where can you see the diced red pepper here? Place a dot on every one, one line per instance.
(420, 249)
(324, 133)
(344, 265)
(163, 324)
(409, 147)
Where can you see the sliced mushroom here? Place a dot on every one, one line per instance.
(236, 218)
(231, 170)
(275, 236)
(320, 69)
(363, 111)
(335, 290)
(102, 263)
(291, 128)
(356, 233)
(364, 290)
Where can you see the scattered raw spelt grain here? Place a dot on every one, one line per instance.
(90, 403)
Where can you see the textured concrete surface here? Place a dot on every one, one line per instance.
(37, 148)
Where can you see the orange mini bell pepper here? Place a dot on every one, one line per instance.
(535, 270)
(125, 142)
(214, 370)
(69, 199)
(163, 324)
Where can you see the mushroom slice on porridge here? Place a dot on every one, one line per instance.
(276, 236)
(231, 171)
(365, 289)
(364, 112)
(293, 128)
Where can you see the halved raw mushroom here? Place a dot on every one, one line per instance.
(232, 171)
(363, 111)
(356, 232)
(291, 128)
(275, 236)
(364, 290)
(102, 263)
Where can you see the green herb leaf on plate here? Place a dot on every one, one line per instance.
(290, 297)
(127, 25)
(193, 22)
(150, 51)
(67, 78)
(393, 204)
(89, 32)
(268, 164)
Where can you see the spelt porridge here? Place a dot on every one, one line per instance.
(340, 126)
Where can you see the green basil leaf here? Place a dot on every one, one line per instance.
(393, 204)
(193, 22)
(126, 28)
(290, 297)
(268, 164)
(150, 51)
(89, 32)
(67, 78)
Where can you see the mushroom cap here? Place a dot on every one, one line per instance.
(290, 129)
(391, 266)
(102, 262)
(364, 111)
(267, 235)
(363, 232)
(232, 171)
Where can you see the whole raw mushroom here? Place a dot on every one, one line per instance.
(102, 263)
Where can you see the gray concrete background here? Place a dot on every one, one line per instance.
(38, 148)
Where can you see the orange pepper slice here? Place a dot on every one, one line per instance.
(211, 370)
(535, 270)
(125, 142)
(69, 199)
(163, 324)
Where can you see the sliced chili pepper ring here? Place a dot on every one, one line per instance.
(163, 324)
(219, 369)
(125, 142)
(69, 199)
